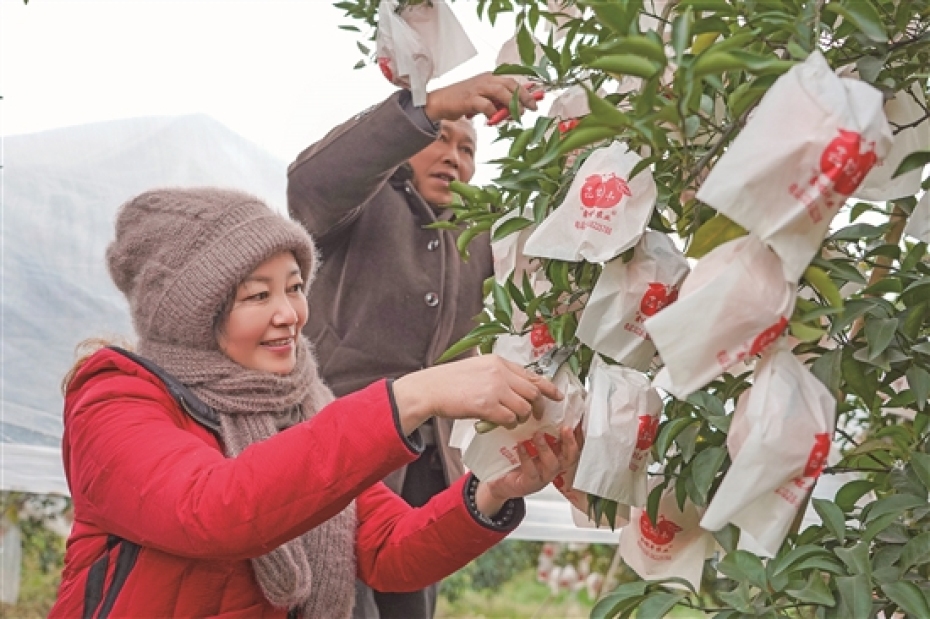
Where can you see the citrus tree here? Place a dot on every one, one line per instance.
(862, 317)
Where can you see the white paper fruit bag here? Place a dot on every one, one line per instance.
(423, 41)
(905, 109)
(918, 224)
(509, 260)
(604, 212)
(494, 453)
(803, 152)
(620, 423)
(569, 107)
(628, 293)
(779, 442)
(732, 306)
(673, 546)
(509, 53)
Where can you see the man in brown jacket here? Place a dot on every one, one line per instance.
(392, 295)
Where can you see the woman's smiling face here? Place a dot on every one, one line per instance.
(270, 308)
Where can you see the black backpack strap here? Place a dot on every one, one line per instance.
(95, 604)
(192, 405)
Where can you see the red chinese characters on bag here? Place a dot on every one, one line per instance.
(656, 539)
(604, 191)
(648, 426)
(541, 339)
(656, 297)
(795, 490)
(384, 63)
(645, 437)
(768, 336)
(567, 125)
(818, 456)
(843, 167)
(757, 347)
(843, 162)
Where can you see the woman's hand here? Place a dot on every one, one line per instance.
(540, 464)
(486, 387)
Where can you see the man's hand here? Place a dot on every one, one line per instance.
(484, 93)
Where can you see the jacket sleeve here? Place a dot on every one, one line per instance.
(331, 181)
(136, 472)
(401, 548)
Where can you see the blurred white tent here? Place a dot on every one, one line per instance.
(60, 192)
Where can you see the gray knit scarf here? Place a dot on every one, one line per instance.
(316, 571)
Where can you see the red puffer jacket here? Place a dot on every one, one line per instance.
(165, 525)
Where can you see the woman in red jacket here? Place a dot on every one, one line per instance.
(214, 474)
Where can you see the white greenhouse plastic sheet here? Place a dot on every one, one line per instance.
(61, 189)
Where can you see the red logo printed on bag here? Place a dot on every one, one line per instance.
(661, 534)
(567, 125)
(842, 162)
(604, 191)
(385, 64)
(768, 336)
(818, 457)
(656, 297)
(540, 336)
(648, 427)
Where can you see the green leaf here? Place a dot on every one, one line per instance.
(878, 333)
(468, 342)
(788, 562)
(669, 431)
(608, 605)
(815, 591)
(821, 282)
(704, 468)
(894, 504)
(856, 559)
(832, 517)
(862, 15)
(714, 232)
(510, 226)
(743, 566)
(828, 368)
(739, 598)
(619, 65)
(916, 551)
(856, 232)
(579, 137)
(681, 32)
(526, 45)
(806, 333)
(727, 537)
(658, 605)
(855, 596)
(605, 113)
(920, 463)
(914, 161)
(918, 379)
(517, 69)
(908, 597)
(851, 492)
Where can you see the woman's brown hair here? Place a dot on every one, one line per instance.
(85, 350)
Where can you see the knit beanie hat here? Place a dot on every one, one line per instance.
(179, 252)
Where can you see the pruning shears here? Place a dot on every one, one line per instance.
(503, 113)
(545, 366)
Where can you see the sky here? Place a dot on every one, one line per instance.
(278, 72)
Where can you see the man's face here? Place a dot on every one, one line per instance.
(450, 157)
